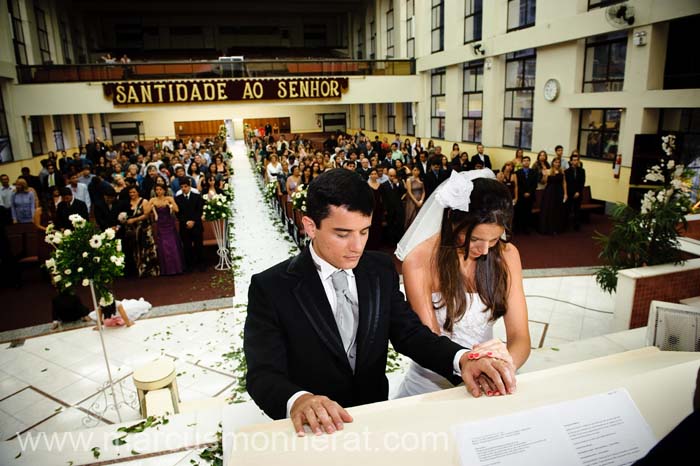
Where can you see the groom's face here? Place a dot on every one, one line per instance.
(341, 237)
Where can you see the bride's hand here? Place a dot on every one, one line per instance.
(494, 348)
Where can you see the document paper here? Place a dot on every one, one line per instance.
(605, 429)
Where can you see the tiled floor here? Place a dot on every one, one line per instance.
(51, 383)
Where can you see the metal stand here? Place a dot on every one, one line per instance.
(222, 242)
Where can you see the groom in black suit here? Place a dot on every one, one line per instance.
(190, 209)
(319, 324)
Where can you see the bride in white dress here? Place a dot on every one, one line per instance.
(460, 276)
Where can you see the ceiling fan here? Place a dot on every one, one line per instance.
(620, 15)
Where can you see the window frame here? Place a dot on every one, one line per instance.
(519, 56)
(410, 35)
(42, 32)
(390, 49)
(65, 42)
(77, 121)
(5, 128)
(603, 131)
(58, 139)
(440, 6)
(361, 114)
(520, 26)
(391, 118)
(373, 117)
(372, 40)
(478, 89)
(434, 117)
(470, 11)
(38, 137)
(18, 37)
(410, 127)
(602, 41)
(360, 43)
(602, 3)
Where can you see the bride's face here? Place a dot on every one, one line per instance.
(483, 237)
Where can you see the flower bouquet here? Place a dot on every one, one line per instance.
(85, 254)
(648, 236)
(299, 199)
(270, 191)
(217, 208)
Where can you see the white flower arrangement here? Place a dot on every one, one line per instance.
(122, 217)
(71, 257)
(270, 191)
(217, 208)
(299, 198)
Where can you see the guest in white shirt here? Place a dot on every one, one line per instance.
(274, 168)
(6, 191)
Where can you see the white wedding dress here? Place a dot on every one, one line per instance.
(134, 308)
(474, 327)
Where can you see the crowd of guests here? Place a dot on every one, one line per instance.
(152, 197)
(404, 173)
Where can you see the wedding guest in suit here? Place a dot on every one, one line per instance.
(434, 177)
(107, 209)
(393, 195)
(68, 207)
(32, 181)
(527, 185)
(53, 179)
(319, 324)
(80, 190)
(481, 157)
(575, 182)
(190, 209)
(461, 276)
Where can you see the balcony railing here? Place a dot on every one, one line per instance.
(37, 74)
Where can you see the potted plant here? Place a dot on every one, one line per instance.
(648, 236)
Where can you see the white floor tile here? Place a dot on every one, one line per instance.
(20, 401)
(10, 385)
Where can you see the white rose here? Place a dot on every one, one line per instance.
(109, 233)
(670, 164)
(67, 233)
(97, 260)
(49, 239)
(51, 263)
(95, 242)
(67, 272)
(113, 259)
(80, 269)
(68, 284)
(86, 282)
(119, 245)
(107, 301)
(85, 254)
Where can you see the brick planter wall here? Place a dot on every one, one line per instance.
(671, 288)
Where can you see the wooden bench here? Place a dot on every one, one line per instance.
(590, 205)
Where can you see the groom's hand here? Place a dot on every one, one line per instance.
(320, 413)
(499, 372)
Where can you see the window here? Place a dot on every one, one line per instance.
(372, 40)
(391, 118)
(43, 34)
(604, 69)
(78, 129)
(521, 14)
(410, 126)
(91, 133)
(360, 44)
(58, 139)
(437, 21)
(410, 28)
(472, 104)
(599, 133)
(104, 126)
(520, 89)
(592, 4)
(362, 116)
(17, 33)
(686, 123)
(80, 52)
(680, 72)
(5, 146)
(65, 43)
(390, 34)
(437, 103)
(472, 20)
(373, 117)
(37, 124)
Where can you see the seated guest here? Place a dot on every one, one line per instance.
(67, 207)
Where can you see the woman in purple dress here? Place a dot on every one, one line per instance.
(169, 246)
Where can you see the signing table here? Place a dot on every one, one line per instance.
(661, 384)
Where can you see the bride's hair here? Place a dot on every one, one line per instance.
(490, 203)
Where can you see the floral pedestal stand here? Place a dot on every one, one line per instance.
(221, 241)
(102, 404)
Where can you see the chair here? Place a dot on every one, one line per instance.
(153, 381)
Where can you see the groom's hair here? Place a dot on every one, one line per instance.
(341, 188)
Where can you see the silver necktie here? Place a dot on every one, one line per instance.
(345, 315)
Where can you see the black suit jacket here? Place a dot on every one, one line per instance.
(58, 182)
(487, 160)
(432, 181)
(292, 343)
(527, 184)
(64, 210)
(191, 209)
(108, 215)
(575, 184)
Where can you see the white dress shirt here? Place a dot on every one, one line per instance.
(325, 270)
(6, 196)
(80, 192)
